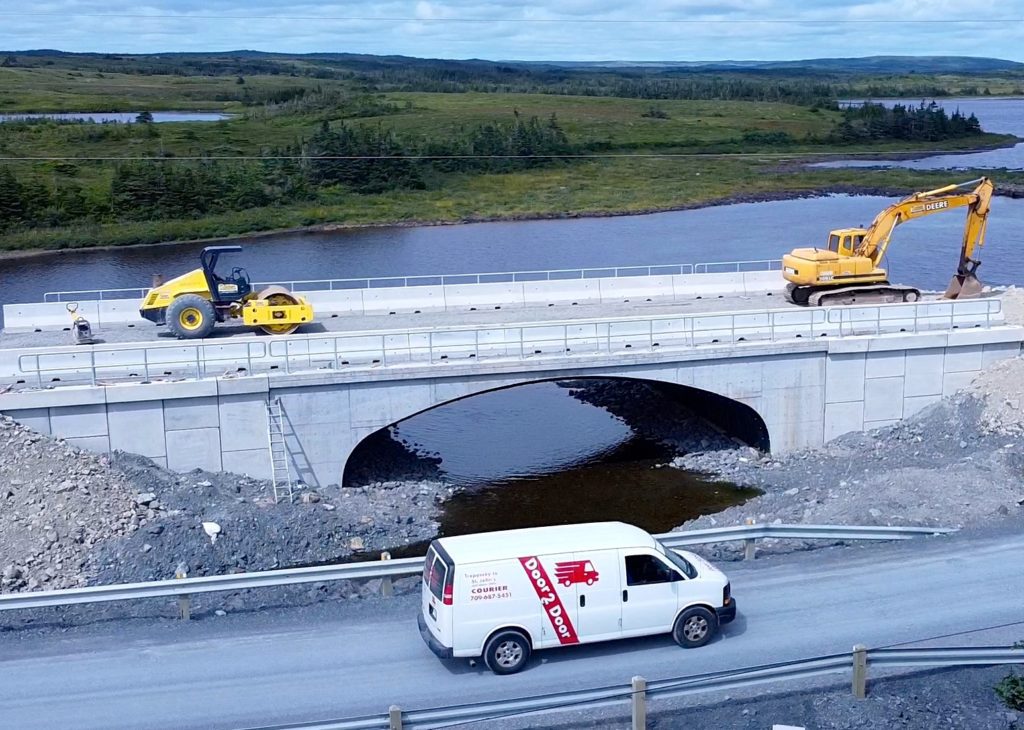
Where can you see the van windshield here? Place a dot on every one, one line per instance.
(682, 563)
(434, 573)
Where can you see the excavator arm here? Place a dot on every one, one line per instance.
(918, 205)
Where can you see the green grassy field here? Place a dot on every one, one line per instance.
(631, 182)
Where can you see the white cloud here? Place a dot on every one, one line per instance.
(715, 29)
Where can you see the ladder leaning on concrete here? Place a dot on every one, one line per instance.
(279, 461)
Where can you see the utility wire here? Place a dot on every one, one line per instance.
(548, 21)
(396, 158)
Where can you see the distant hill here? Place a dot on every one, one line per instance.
(867, 64)
(862, 65)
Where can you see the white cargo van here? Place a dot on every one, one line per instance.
(501, 595)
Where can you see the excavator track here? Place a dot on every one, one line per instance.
(873, 294)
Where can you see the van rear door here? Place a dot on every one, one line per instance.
(598, 595)
(438, 594)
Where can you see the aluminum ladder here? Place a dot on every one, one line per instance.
(281, 477)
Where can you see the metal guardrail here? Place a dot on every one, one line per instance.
(131, 362)
(497, 277)
(414, 566)
(639, 691)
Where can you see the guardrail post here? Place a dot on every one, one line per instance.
(748, 544)
(387, 587)
(394, 718)
(639, 702)
(860, 671)
(184, 601)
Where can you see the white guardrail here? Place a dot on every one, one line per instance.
(495, 277)
(566, 340)
(639, 691)
(447, 297)
(414, 566)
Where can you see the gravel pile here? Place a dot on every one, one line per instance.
(57, 505)
(69, 518)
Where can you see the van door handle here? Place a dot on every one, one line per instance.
(625, 596)
(583, 601)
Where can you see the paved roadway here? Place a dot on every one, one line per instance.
(346, 659)
(145, 331)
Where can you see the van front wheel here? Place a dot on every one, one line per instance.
(694, 627)
(507, 652)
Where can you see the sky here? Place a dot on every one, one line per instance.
(585, 30)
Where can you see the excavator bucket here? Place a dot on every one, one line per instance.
(963, 286)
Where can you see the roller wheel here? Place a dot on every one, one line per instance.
(278, 296)
(190, 317)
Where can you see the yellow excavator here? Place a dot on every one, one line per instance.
(848, 271)
(191, 304)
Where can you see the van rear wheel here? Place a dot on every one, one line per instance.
(507, 652)
(694, 627)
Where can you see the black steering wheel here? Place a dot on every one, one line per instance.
(238, 273)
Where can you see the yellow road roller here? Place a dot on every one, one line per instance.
(191, 304)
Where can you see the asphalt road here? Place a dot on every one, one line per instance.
(346, 659)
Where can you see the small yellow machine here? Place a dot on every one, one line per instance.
(848, 271)
(192, 303)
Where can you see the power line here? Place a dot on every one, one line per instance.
(601, 155)
(565, 20)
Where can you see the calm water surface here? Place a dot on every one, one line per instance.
(1001, 116)
(120, 117)
(923, 252)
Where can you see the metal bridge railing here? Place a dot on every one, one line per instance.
(499, 277)
(471, 345)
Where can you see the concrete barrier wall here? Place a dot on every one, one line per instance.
(457, 297)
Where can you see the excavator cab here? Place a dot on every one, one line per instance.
(845, 241)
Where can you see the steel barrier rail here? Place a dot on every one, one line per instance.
(413, 566)
(946, 657)
(564, 339)
(664, 688)
(496, 277)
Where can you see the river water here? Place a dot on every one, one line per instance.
(923, 252)
(1004, 115)
(119, 117)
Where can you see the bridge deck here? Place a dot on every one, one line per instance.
(145, 331)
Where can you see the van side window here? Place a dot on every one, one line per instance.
(647, 569)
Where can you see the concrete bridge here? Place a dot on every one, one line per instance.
(784, 378)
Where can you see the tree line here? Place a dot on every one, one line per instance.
(346, 158)
(358, 159)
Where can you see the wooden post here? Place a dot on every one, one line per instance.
(860, 671)
(184, 601)
(639, 703)
(748, 544)
(387, 588)
(394, 718)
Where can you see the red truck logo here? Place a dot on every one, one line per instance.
(576, 571)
